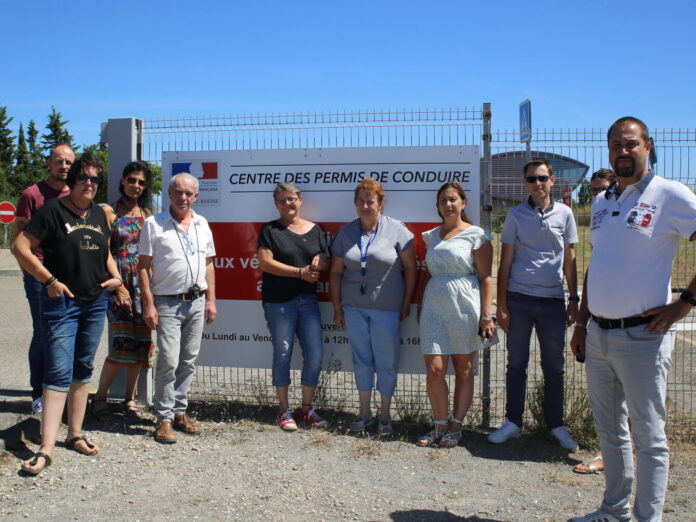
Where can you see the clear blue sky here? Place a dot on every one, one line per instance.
(582, 64)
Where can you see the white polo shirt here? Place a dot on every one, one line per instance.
(634, 240)
(178, 257)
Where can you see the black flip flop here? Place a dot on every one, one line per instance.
(70, 444)
(34, 461)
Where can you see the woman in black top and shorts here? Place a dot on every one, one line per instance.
(77, 273)
(292, 251)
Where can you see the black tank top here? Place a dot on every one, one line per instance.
(75, 249)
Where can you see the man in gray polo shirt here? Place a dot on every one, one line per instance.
(537, 250)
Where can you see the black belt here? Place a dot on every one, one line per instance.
(625, 322)
(186, 296)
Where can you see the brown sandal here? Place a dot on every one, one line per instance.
(590, 467)
(131, 410)
(70, 444)
(34, 461)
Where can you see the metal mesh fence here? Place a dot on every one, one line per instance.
(675, 152)
(676, 149)
(371, 128)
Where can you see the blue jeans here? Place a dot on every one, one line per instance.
(301, 317)
(547, 315)
(33, 289)
(179, 332)
(627, 377)
(72, 329)
(375, 340)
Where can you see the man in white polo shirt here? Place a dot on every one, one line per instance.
(177, 285)
(625, 323)
(537, 251)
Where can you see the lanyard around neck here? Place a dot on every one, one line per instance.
(363, 254)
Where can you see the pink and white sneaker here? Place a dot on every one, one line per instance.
(286, 420)
(312, 418)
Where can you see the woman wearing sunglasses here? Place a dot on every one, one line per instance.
(78, 272)
(130, 340)
(292, 252)
(373, 276)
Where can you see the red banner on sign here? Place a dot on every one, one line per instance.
(237, 272)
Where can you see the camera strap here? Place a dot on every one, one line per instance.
(186, 254)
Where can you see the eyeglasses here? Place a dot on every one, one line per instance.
(534, 179)
(133, 181)
(595, 191)
(291, 199)
(95, 180)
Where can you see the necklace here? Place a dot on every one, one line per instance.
(131, 212)
(78, 208)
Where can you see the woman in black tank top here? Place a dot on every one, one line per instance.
(77, 273)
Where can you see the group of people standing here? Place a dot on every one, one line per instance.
(623, 323)
(84, 261)
(155, 272)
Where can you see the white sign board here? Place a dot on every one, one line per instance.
(236, 197)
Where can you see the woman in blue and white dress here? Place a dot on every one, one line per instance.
(456, 311)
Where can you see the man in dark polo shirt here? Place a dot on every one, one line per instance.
(537, 251)
(31, 199)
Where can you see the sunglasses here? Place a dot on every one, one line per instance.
(287, 200)
(95, 180)
(534, 179)
(133, 181)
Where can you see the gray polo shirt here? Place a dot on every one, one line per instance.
(384, 281)
(539, 238)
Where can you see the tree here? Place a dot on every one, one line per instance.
(7, 152)
(57, 133)
(584, 194)
(100, 151)
(22, 153)
(30, 163)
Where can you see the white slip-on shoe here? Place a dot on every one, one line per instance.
(564, 438)
(509, 430)
(599, 516)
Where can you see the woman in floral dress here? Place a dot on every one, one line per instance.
(130, 341)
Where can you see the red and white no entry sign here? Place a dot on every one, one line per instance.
(8, 212)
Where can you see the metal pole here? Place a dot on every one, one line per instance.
(486, 222)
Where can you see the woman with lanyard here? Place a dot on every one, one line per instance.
(78, 272)
(292, 252)
(373, 276)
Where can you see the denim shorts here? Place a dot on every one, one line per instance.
(298, 317)
(73, 330)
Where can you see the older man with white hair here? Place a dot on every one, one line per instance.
(177, 285)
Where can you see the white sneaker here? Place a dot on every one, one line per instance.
(37, 406)
(599, 516)
(564, 438)
(509, 430)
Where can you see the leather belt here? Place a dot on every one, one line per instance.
(624, 322)
(186, 296)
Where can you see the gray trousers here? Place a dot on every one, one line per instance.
(627, 377)
(179, 332)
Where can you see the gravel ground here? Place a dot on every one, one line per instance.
(249, 469)
(243, 467)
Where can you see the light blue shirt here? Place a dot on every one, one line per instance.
(539, 237)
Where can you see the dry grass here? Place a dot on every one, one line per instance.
(366, 448)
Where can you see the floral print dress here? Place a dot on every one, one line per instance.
(130, 338)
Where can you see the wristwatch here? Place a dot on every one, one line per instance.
(688, 297)
(574, 299)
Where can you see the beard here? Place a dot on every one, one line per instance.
(625, 171)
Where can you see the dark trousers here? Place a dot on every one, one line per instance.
(547, 315)
(32, 289)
